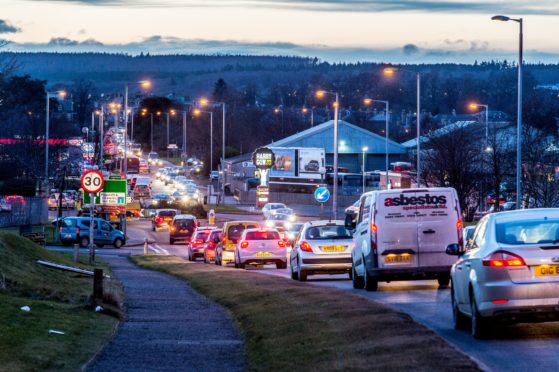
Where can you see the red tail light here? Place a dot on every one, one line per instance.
(281, 243)
(503, 259)
(459, 227)
(78, 231)
(158, 219)
(244, 244)
(374, 232)
(173, 228)
(305, 247)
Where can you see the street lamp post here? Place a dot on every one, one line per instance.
(369, 101)
(305, 110)
(322, 93)
(198, 112)
(167, 135)
(204, 102)
(364, 149)
(144, 84)
(486, 109)
(389, 72)
(279, 110)
(519, 105)
(101, 135)
(50, 95)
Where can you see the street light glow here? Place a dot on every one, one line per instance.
(389, 71)
(146, 84)
(320, 93)
(367, 101)
(500, 18)
(364, 149)
(196, 112)
(203, 102)
(277, 110)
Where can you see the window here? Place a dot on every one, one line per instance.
(479, 234)
(184, 223)
(234, 232)
(262, 235)
(327, 232)
(528, 232)
(106, 226)
(365, 208)
(202, 235)
(167, 213)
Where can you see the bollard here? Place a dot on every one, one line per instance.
(145, 245)
(76, 253)
(97, 286)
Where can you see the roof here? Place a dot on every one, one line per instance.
(441, 132)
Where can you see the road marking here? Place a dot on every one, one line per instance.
(156, 248)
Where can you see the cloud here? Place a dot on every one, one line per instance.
(65, 42)
(7, 28)
(410, 49)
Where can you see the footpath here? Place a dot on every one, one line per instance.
(168, 327)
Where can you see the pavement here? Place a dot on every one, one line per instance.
(168, 327)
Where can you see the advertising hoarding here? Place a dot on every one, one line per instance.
(284, 165)
(311, 162)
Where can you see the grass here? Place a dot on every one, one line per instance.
(58, 300)
(226, 209)
(295, 326)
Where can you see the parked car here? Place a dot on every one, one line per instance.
(76, 230)
(322, 247)
(54, 201)
(182, 227)
(271, 208)
(162, 218)
(214, 176)
(232, 231)
(198, 242)
(260, 246)
(402, 235)
(211, 243)
(509, 272)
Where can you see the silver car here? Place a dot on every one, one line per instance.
(322, 247)
(508, 272)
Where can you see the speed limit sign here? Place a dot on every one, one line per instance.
(92, 181)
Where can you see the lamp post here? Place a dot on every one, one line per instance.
(474, 106)
(364, 149)
(320, 94)
(60, 94)
(279, 110)
(146, 85)
(503, 18)
(305, 110)
(369, 101)
(198, 112)
(204, 102)
(390, 72)
(101, 135)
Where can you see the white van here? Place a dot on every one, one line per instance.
(402, 235)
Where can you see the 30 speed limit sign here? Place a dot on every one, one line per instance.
(92, 181)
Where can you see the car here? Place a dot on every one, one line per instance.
(232, 231)
(14, 199)
(352, 210)
(198, 242)
(153, 158)
(403, 234)
(144, 166)
(53, 201)
(162, 218)
(260, 246)
(76, 230)
(270, 208)
(182, 227)
(141, 191)
(312, 166)
(211, 243)
(322, 247)
(292, 232)
(214, 176)
(5, 206)
(509, 272)
(280, 220)
(160, 200)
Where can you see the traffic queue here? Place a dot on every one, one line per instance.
(505, 271)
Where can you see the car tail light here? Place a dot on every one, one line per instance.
(77, 231)
(503, 259)
(244, 244)
(158, 219)
(173, 228)
(374, 232)
(281, 243)
(305, 247)
(499, 302)
(460, 232)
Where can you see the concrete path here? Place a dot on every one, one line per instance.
(169, 327)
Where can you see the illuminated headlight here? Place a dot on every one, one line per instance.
(196, 194)
(195, 163)
(154, 202)
(160, 162)
(288, 225)
(269, 224)
(185, 198)
(157, 174)
(292, 218)
(290, 236)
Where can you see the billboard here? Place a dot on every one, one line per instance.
(284, 165)
(311, 161)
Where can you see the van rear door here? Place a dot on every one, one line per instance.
(396, 225)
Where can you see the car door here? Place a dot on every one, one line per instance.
(362, 233)
(105, 232)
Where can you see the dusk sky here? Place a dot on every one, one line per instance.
(333, 30)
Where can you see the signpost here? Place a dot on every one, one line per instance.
(92, 182)
(321, 195)
(263, 159)
(112, 199)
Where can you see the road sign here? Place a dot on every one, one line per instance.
(92, 181)
(263, 158)
(113, 194)
(322, 194)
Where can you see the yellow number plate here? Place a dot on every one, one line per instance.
(333, 248)
(230, 246)
(263, 254)
(546, 270)
(397, 258)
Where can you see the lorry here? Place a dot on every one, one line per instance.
(297, 169)
(132, 165)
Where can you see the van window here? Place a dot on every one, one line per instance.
(365, 208)
(234, 232)
(106, 226)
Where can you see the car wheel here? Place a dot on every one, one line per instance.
(84, 242)
(171, 241)
(370, 283)
(444, 281)
(460, 320)
(294, 274)
(118, 243)
(205, 259)
(301, 273)
(357, 281)
(480, 326)
(152, 227)
(216, 261)
(189, 255)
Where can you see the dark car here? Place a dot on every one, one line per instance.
(211, 243)
(312, 166)
(162, 218)
(182, 228)
(198, 241)
(76, 230)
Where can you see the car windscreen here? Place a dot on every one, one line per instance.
(276, 206)
(215, 234)
(528, 232)
(327, 232)
(167, 213)
(234, 232)
(184, 223)
(202, 235)
(262, 235)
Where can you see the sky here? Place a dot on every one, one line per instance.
(397, 31)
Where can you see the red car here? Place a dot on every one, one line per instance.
(211, 243)
(198, 242)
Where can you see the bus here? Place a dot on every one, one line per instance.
(352, 183)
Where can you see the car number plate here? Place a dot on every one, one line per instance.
(333, 248)
(397, 258)
(546, 270)
(263, 254)
(67, 235)
(183, 231)
(230, 246)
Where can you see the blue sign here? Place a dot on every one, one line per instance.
(322, 194)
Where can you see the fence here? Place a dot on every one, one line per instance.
(32, 211)
(249, 197)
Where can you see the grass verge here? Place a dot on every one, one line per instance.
(295, 326)
(226, 209)
(58, 300)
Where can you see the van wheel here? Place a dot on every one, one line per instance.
(118, 243)
(84, 242)
(171, 241)
(357, 281)
(444, 281)
(370, 284)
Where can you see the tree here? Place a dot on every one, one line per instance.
(82, 94)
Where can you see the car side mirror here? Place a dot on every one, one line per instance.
(349, 222)
(455, 250)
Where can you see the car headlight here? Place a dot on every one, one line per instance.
(154, 202)
(288, 225)
(185, 198)
(292, 218)
(269, 224)
(160, 162)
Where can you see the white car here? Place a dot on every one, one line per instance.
(260, 246)
(508, 272)
(271, 208)
(322, 247)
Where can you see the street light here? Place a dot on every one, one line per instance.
(368, 102)
(59, 94)
(101, 135)
(503, 18)
(305, 110)
(279, 110)
(145, 84)
(474, 106)
(364, 149)
(390, 71)
(144, 113)
(321, 94)
(198, 113)
(205, 102)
